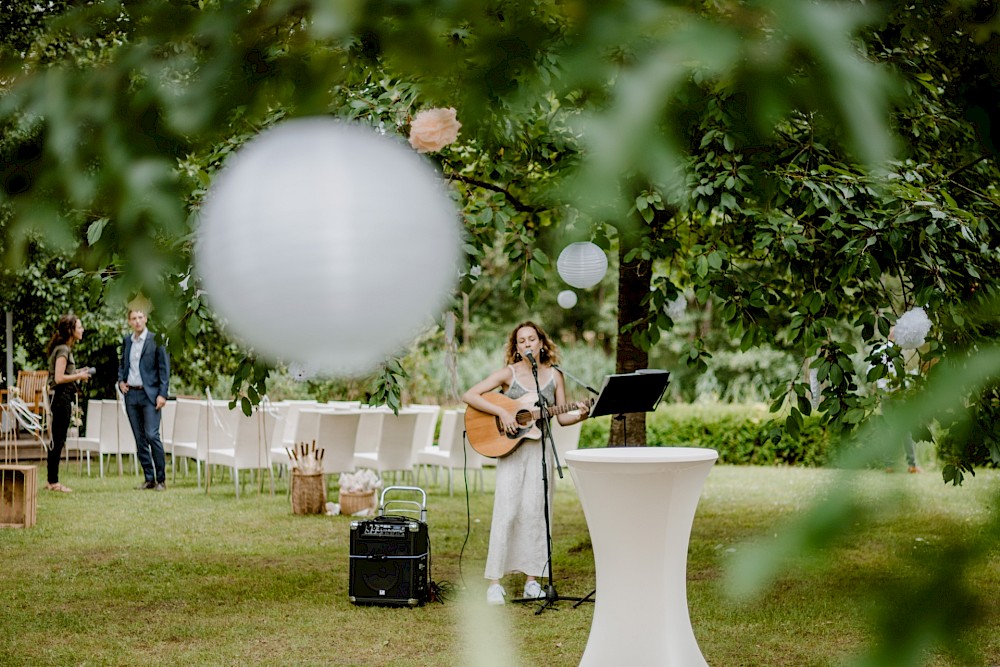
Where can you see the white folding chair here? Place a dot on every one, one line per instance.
(423, 436)
(277, 454)
(124, 437)
(428, 456)
(395, 445)
(250, 446)
(337, 433)
(370, 428)
(183, 442)
(167, 415)
(90, 441)
(289, 432)
(459, 456)
(216, 432)
(116, 438)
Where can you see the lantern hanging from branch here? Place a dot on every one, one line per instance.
(566, 298)
(582, 264)
(326, 244)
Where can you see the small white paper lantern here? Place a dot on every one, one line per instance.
(566, 298)
(326, 244)
(582, 264)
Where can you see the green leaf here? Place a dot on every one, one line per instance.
(792, 424)
(805, 406)
(701, 266)
(95, 230)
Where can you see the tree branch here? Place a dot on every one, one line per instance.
(514, 201)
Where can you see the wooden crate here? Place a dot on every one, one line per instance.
(18, 496)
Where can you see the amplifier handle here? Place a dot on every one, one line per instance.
(421, 507)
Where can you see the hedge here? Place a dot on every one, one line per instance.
(740, 433)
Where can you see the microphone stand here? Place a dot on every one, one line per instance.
(589, 597)
(551, 597)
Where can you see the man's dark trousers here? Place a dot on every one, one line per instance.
(145, 421)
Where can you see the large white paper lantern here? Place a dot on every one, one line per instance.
(327, 244)
(566, 298)
(582, 264)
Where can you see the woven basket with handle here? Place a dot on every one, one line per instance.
(355, 502)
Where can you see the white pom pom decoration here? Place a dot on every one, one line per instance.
(327, 244)
(676, 308)
(582, 264)
(912, 328)
(566, 298)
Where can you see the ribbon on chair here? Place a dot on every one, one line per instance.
(28, 420)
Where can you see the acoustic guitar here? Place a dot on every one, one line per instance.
(487, 435)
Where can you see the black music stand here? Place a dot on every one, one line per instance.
(622, 393)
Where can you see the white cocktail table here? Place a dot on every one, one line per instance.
(639, 503)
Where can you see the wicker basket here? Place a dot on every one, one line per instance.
(355, 502)
(308, 493)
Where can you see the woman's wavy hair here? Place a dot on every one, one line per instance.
(65, 328)
(548, 354)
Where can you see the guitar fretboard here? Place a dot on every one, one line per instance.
(555, 410)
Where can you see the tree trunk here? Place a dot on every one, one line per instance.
(633, 284)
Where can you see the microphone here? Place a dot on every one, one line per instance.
(531, 358)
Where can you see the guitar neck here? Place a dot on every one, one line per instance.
(555, 410)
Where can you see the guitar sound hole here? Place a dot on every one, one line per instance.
(512, 436)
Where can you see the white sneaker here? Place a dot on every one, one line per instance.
(495, 595)
(532, 589)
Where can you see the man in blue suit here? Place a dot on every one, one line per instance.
(143, 376)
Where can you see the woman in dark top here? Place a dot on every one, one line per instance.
(63, 376)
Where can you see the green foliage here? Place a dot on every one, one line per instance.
(742, 434)
(387, 386)
(737, 152)
(249, 384)
(740, 153)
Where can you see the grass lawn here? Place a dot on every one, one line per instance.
(114, 576)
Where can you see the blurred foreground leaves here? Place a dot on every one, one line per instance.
(935, 605)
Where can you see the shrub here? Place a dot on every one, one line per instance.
(740, 433)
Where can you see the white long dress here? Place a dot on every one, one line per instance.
(517, 533)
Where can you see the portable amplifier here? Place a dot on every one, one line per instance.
(390, 557)
(389, 561)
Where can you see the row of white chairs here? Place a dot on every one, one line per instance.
(208, 433)
(108, 434)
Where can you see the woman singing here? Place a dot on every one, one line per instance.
(518, 540)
